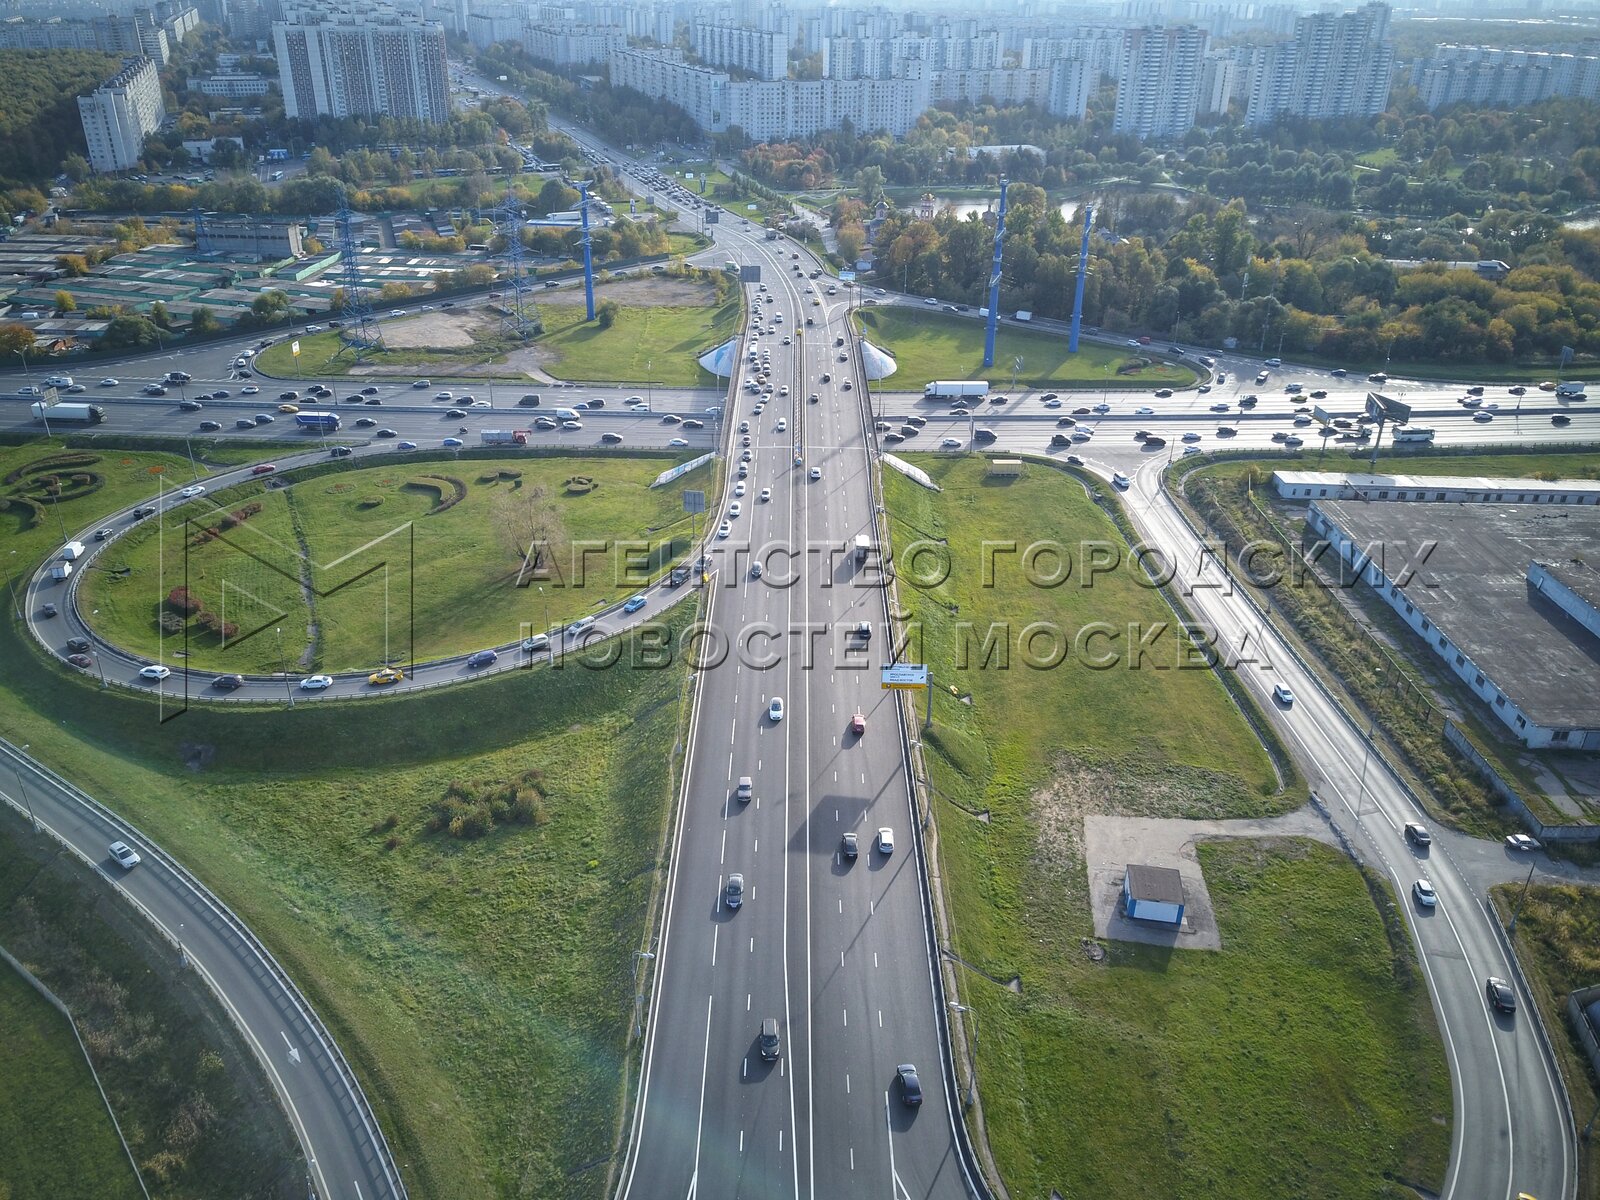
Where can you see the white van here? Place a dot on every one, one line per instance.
(58, 381)
(566, 414)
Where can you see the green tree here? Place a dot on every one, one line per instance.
(74, 265)
(75, 167)
(130, 332)
(605, 313)
(15, 340)
(65, 303)
(159, 315)
(204, 321)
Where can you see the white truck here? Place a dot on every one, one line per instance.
(1571, 388)
(1024, 315)
(91, 414)
(863, 546)
(1413, 433)
(951, 389)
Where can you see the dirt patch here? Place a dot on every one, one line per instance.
(438, 330)
(652, 290)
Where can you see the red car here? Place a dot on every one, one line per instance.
(264, 469)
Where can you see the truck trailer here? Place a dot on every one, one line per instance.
(951, 389)
(92, 414)
(318, 422)
(1570, 388)
(505, 437)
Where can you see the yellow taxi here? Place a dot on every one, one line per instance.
(288, 408)
(385, 676)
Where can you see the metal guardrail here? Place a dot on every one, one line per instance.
(246, 938)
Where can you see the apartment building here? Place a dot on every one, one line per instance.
(572, 43)
(1158, 81)
(365, 60)
(763, 54)
(138, 34)
(1489, 75)
(119, 114)
(1072, 82)
(1219, 76)
(235, 85)
(1100, 48)
(1336, 65)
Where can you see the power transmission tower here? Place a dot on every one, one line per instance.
(361, 332)
(519, 317)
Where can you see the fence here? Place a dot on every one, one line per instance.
(1555, 833)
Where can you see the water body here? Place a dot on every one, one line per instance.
(962, 207)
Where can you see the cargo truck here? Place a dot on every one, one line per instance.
(93, 414)
(320, 422)
(951, 389)
(1570, 388)
(863, 547)
(505, 437)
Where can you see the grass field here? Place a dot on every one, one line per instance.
(480, 985)
(654, 344)
(647, 344)
(1558, 945)
(933, 345)
(1221, 1053)
(59, 1140)
(449, 580)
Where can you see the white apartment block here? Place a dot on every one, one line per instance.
(120, 113)
(866, 57)
(501, 23)
(1072, 82)
(573, 43)
(1337, 65)
(362, 61)
(1158, 82)
(1100, 48)
(765, 55)
(1005, 88)
(134, 35)
(1488, 75)
(1219, 75)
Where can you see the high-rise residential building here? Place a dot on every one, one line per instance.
(362, 61)
(1490, 75)
(119, 114)
(1219, 75)
(1336, 65)
(764, 54)
(572, 43)
(1158, 81)
(1072, 81)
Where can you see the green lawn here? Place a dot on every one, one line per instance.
(1220, 1054)
(646, 344)
(480, 986)
(450, 579)
(59, 1140)
(1558, 945)
(655, 344)
(933, 345)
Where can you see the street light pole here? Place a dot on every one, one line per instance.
(23, 791)
(283, 668)
(1510, 929)
(16, 600)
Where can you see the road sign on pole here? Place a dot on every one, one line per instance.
(694, 502)
(904, 676)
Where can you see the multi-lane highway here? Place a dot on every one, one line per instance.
(836, 949)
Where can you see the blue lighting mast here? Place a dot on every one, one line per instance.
(1083, 274)
(994, 281)
(588, 260)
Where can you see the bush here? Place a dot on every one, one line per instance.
(171, 623)
(211, 623)
(472, 810)
(181, 600)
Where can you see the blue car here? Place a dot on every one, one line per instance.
(406, 446)
(634, 605)
(453, 443)
(482, 658)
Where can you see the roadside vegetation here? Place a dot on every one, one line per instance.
(195, 1106)
(59, 1141)
(1558, 945)
(485, 554)
(1392, 682)
(1231, 1056)
(929, 345)
(477, 976)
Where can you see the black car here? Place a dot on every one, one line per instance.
(531, 400)
(227, 683)
(365, 422)
(369, 391)
(455, 414)
(148, 510)
(1417, 834)
(191, 405)
(384, 433)
(1060, 439)
(372, 400)
(48, 610)
(265, 419)
(612, 438)
(286, 396)
(1066, 422)
(244, 423)
(894, 437)
(482, 658)
(771, 1044)
(1501, 997)
(340, 452)
(910, 1085)
(211, 426)
(77, 645)
(983, 435)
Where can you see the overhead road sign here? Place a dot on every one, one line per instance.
(905, 675)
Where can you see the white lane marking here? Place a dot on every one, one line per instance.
(880, 1018)
(700, 1121)
(747, 1002)
(723, 857)
(714, 932)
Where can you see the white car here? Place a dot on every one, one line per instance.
(249, 391)
(766, 495)
(932, 301)
(783, 426)
(1192, 436)
(951, 443)
(1144, 411)
(154, 671)
(397, 312)
(193, 490)
(572, 426)
(886, 840)
(537, 642)
(1053, 402)
(1121, 480)
(679, 442)
(1423, 891)
(125, 855)
(1521, 841)
(315, 683)
(735, 509)
(816, 472)
(724, 530)
(109, 382)
(1102, 407)
(738, 488)
(775, 709)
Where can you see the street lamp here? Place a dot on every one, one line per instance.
(1366, 755)
(23, 791)
(972, 1074)
(16, 600)
(97, 661)
(283, 668)
(638, 996)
